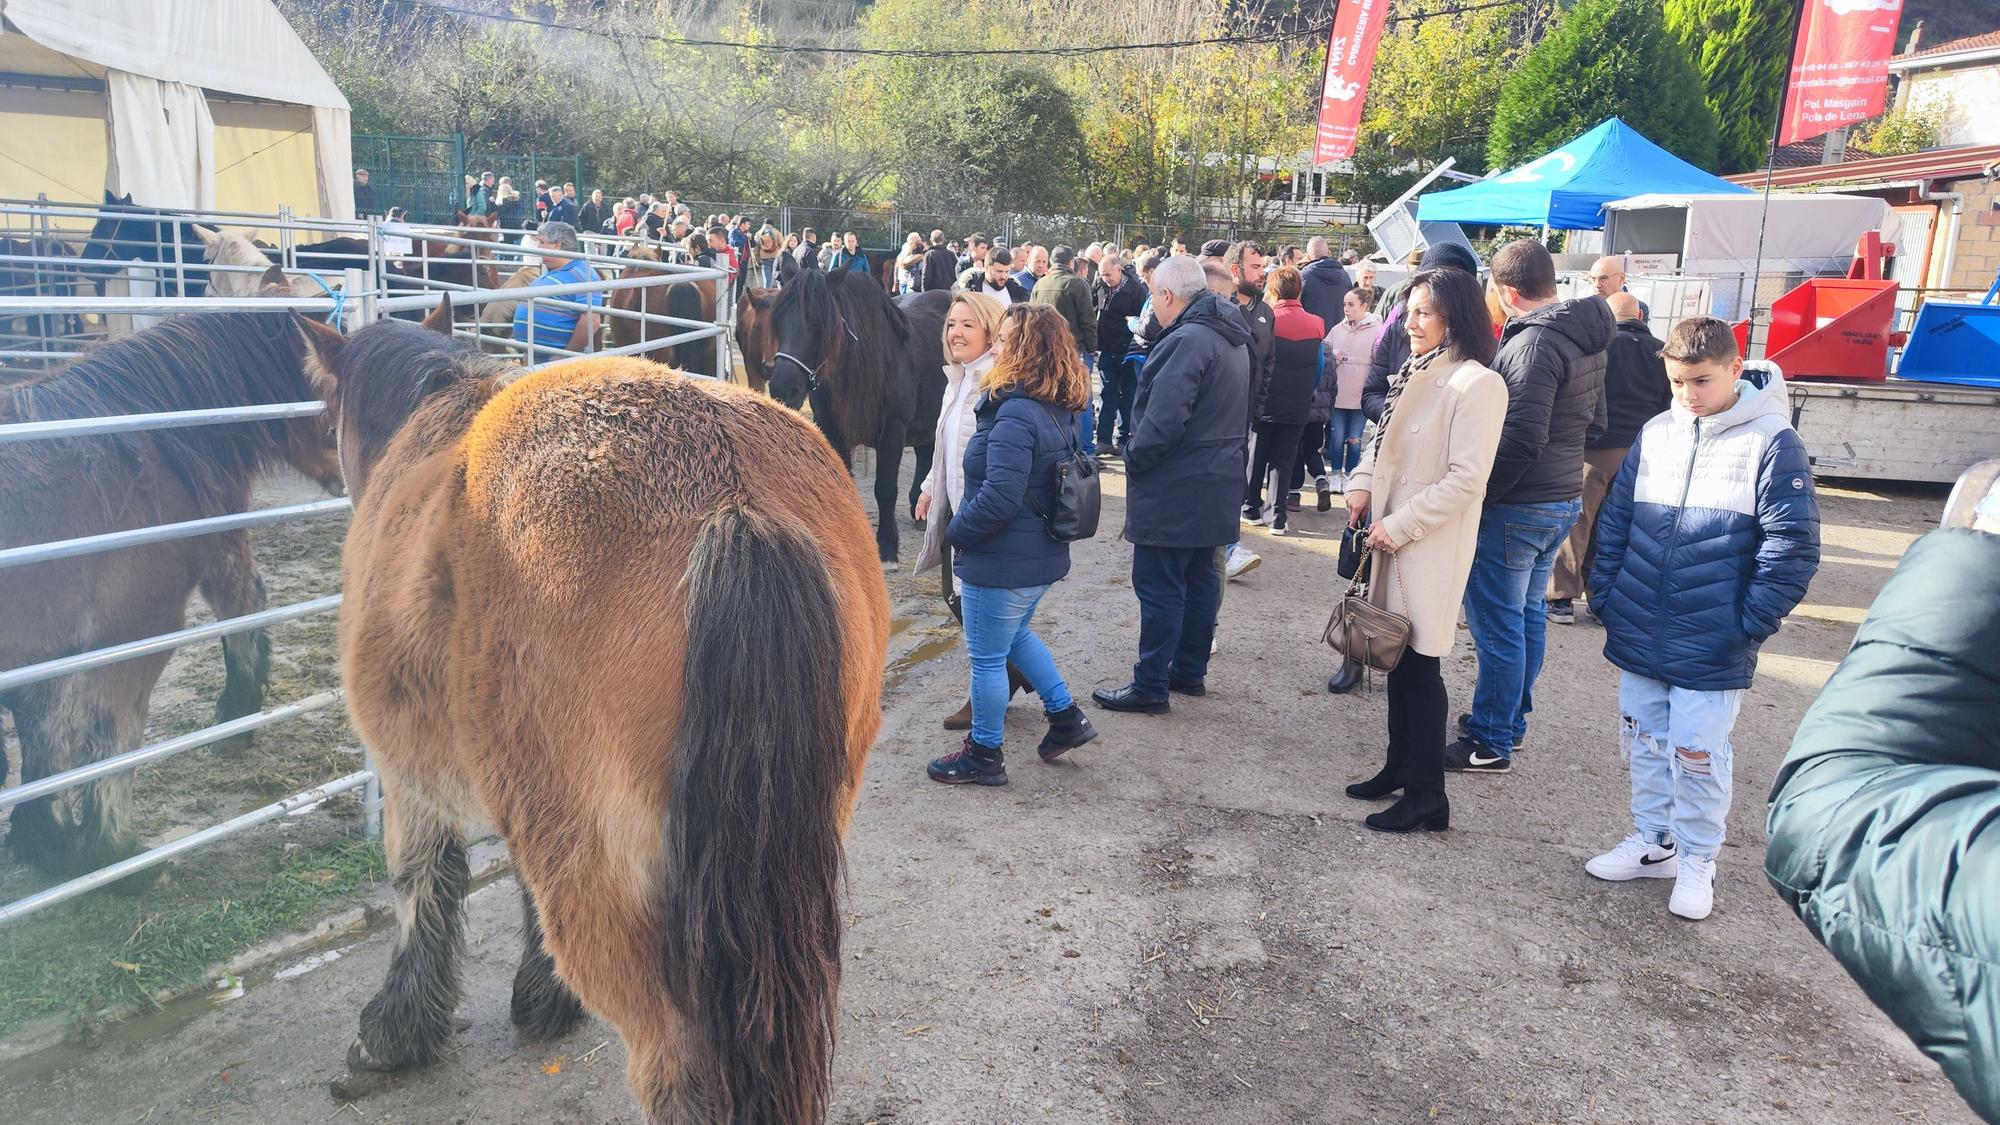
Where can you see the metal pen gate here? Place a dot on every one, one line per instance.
(363, 298)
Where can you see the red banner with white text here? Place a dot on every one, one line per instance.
(1840, 65)
(1350, 59)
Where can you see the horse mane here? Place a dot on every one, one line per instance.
(864, 364)
(191, 362)
(388, 371)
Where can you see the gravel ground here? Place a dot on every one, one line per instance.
(1185, 920)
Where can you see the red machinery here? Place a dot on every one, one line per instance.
(1835, 327)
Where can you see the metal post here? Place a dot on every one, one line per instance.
(365, 313)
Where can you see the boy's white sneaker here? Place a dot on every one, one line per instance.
(1694, 889)
(1636, 857)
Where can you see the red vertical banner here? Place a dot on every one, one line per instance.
(1350, 59)
(1840, 65)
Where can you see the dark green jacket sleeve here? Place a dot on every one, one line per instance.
(1885, 818)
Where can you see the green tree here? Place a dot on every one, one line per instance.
(1740, 47)
(1435, 84)
(1605, 58)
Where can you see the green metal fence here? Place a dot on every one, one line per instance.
(426, 175)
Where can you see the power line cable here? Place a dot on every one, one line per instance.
(1249, 37)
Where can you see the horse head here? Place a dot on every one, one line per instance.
(809, 335)
(228, 248)
(107, 235)
(374, 381)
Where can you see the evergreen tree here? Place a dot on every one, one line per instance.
(1740, 47)
(1606, 58)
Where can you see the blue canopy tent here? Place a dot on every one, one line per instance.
(1567, 189)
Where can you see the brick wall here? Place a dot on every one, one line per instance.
(1978, 235)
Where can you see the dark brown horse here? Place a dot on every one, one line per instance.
(872, 368)
(753, 334)
(561, 588)
(40, 279)
(60, 489)
(688, 300)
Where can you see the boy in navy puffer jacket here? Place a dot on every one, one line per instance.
(1705, 543)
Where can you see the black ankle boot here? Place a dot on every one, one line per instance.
(1068, 729)
(1377, 787)
(1426, 810)
(1345, 680)
(970, 764)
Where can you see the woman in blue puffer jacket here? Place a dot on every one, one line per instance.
(1006, 558)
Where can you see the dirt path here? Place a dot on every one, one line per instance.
(1185, 921)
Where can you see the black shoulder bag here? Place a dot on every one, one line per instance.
(1078, 498)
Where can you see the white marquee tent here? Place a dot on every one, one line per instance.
(206, 104)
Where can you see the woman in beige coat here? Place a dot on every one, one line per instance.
(1421, 482)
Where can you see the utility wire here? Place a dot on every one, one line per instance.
(1275, 36)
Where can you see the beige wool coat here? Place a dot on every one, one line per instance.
(1425, 490)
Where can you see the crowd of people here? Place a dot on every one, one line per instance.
(1501, 453)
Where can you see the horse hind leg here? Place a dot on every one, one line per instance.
(232, 587)
(543, 1006)
(79, 720)
(888, 467)
(925, 454)
(407, 1022)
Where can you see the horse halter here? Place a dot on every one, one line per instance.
(812, 369)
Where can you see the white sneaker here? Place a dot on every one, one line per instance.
(1340, 482)
(1694, 889)
(1242, 561)
(1635, 857)
(1276, 530)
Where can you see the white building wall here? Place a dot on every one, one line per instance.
(1969, 100)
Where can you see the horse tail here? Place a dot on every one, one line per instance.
(696, 357)
(751, 941)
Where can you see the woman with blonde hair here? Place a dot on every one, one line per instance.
(970, 324)
(1025, 424)
(507, 204)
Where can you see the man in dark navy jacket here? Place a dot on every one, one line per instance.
(1184, 481)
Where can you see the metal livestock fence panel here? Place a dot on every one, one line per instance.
(362, 296)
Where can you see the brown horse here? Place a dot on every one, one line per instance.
(753, 334)
(633, 620)
(688, 300)
(60, 489)
(452, 263)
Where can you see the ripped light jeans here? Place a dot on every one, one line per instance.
(1676, 742)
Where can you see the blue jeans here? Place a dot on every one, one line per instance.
(1179, 590)
(1505, 607)
(1343, 440)
(1676, 742)
(997, 633)
(1086, 419)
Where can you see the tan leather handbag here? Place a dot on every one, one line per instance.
(1364, 632)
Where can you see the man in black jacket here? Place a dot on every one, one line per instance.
(1393, 346)
(1635, 389)
(940, 269)
(1326, 281)
(1118, 295)
(1184, 469)
(996, 279)
(1552, 356)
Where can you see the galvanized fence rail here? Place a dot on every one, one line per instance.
(364, 295)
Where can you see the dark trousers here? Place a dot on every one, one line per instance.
(1311, 461)
(1276, 448)
(1417, 708)
(1120, 385)
(1179, 591)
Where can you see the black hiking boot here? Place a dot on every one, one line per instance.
(970, 764)
(1068, 729)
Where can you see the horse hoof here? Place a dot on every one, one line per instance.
(360, 1061)
(357, 1085)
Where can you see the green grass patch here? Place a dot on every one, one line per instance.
(107, 950)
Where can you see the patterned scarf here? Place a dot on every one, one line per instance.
(1397, 382)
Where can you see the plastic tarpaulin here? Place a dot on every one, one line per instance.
(1804, 232)
(162, 142)
(1568, 188)
(228, 47)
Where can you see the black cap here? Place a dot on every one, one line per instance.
(1450, 255)
(1215, 248)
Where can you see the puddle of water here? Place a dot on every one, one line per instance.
(920, 654)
